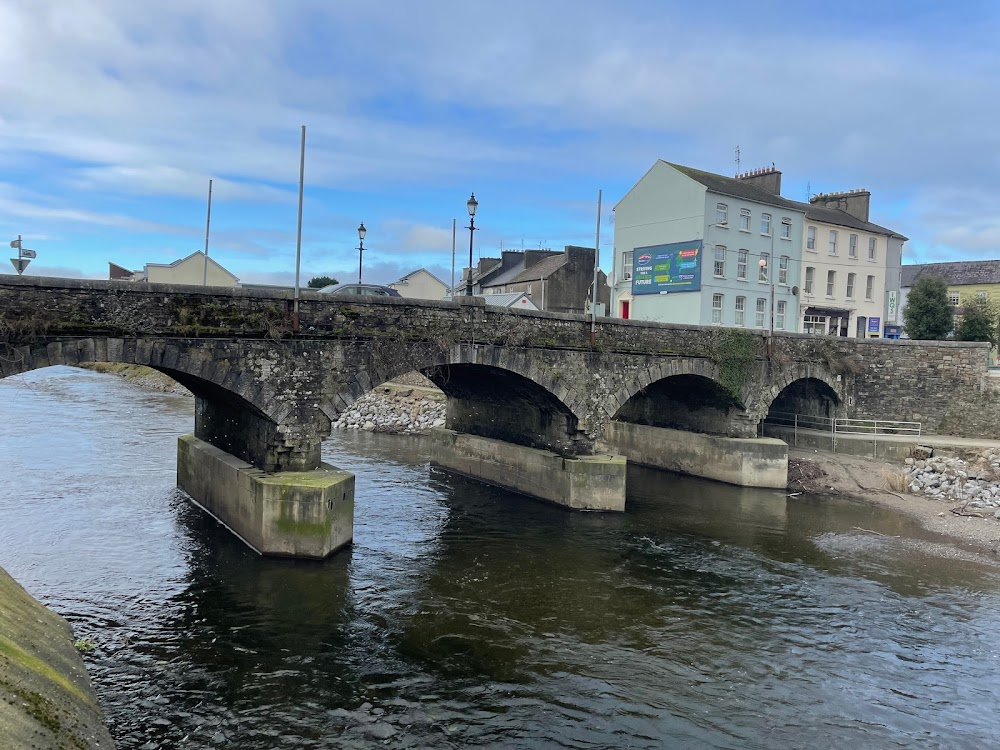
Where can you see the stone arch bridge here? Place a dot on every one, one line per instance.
(267, 386)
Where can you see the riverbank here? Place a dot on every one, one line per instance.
(140, 375)
(46, 699)
(884, 484)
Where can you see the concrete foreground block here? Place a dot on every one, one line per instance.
(581, 483)
(746, 462)
(305, 514)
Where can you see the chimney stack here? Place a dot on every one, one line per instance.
(855, 202)
(768, 179)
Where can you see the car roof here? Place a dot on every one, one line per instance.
(333, 288)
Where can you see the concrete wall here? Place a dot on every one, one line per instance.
(588, 483)
(46, 700)
(747, 462)
(289, 514)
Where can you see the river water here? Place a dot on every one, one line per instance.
(465, 616)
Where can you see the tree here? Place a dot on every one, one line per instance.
(321, 281)
(928, 313)
(979, 320)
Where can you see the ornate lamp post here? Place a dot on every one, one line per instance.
(361, 247)
(763, 266)
(472, 205)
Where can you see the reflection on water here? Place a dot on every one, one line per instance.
(705, 617)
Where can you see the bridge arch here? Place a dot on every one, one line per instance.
(806, 388)
(682, 394)
(493, 391)
(235, 409)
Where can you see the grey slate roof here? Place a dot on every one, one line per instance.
(507, 299)
(736, 188)
(957, 273)
(542, 269)
(844, 219)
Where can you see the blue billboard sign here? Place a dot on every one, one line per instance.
(662, 269)
(873, 325)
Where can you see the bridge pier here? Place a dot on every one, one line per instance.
(595, 482)
(305, 514)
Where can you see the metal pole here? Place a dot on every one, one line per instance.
(208, 224)
(298, 234)
(597, 252)
(454, 229)
(468, 283)
(361, 252)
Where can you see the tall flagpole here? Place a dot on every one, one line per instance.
(454, 223)
(597, 253)
(298, 235)
(208, 224)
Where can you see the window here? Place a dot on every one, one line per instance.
(721, 214)
(982, 295)
(744, 219)
(783, 270)
(814, 324)
(627, 265)
(833, 242)
(779, 315)
(741, 265)
(765, 224)
(717, 301)
(870, 290)
(850, 285)
(871, 248)
(852, 248)
(810, 274)
(811, 239)
(764, 266)
(831, 282)
(786, 229)
(761, 313)
(952, 297)
(741, 306)
(720, 261)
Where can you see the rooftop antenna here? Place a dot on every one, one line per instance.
(737, 161)
(809, 192)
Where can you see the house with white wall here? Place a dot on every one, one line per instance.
(701, 248)
(850, 269)
(420, 284)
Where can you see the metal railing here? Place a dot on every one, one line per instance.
(872, 428)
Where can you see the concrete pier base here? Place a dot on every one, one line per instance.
(305, 514)
(747, 462)
(581, 483)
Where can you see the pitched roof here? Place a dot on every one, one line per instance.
(735, 188)
(508, 299)
(542, 269)
(844, 219)
(957, 273)
(405, 278)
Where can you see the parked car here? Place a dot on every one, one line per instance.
(359, 290)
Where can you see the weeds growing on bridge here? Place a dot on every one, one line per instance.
(732, 350)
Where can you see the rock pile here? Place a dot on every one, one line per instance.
(974, 482)
(388, 409)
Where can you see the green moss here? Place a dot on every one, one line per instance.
(304, 528)
(19, 656)
(733, 351)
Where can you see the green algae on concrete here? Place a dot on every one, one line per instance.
(46, 700)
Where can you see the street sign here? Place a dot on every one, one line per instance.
(20, 264)
(26, 253)
(16, 244)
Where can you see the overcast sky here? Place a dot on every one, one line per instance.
(115, 113)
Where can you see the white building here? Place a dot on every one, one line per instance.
(850, 280)
(420, 284)
(191, 270)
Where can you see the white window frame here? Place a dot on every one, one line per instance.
(870, 289)
(760, 313)
(852, 246)
(954, 299)
(811, 238)
(872, 249)
(627, 257)
(831, 283)
(810, 280)
(718, 301)
(744, 219)
(764, 271)
(833, 242)
(779, 315)
(765, 224)
(722, 214)
(719, 264)
(739, 318)
(786, 229)
(851, 278)
(783, 270)
(741, 265)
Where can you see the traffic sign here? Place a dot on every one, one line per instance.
(16, 244)
(26, 253)
(20, 264)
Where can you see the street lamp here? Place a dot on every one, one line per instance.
(763, 267)
(472, 205)
(361, 247)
